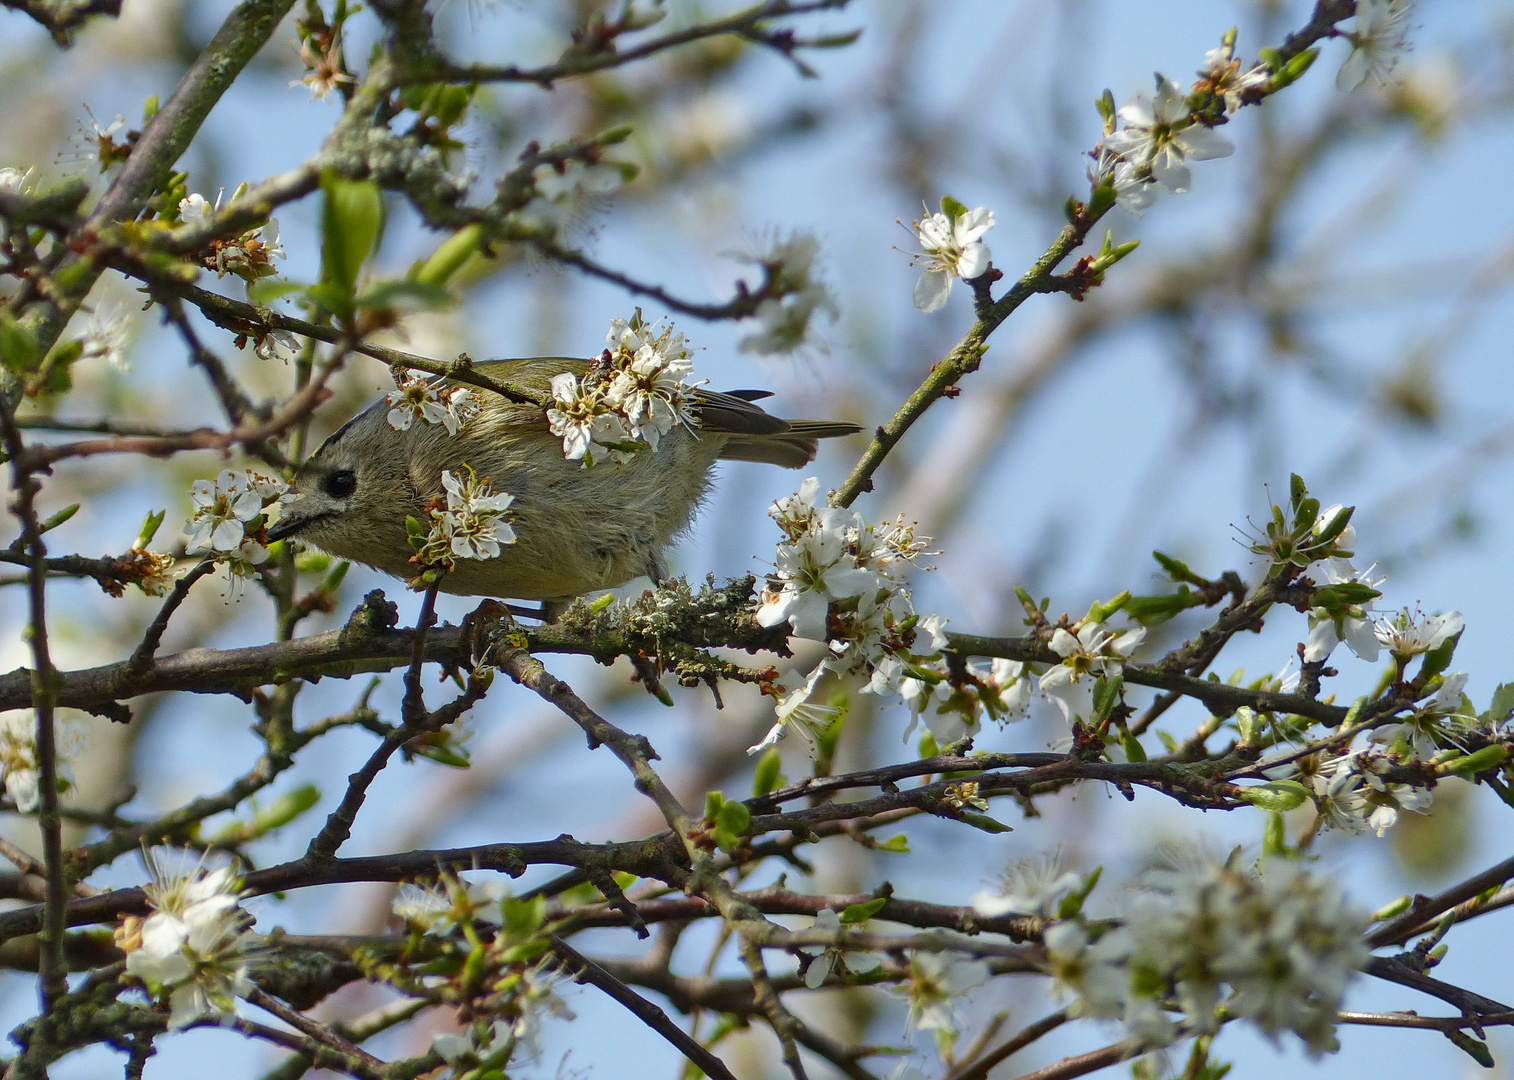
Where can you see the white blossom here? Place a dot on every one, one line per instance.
(276, 345)
(828, 958)
(1352, 792)
(1160, 136)
(15, 181)
(1378, 42)
(936, 981)
(222, 510)
(1223, 75)
(94, 143)
(1030, 887)
(105, 336)
(932, 701)
(432, 402)
(650, 391)
(195, 947)
(951, 247)
(1355, 626)
(813, 569)
(536, 995)
(472, 525)
(580, 415)
(785, 323)
(439, 909)
(18, 755)
(195, 209)
(785, 318)
(473, 1045)
(1006, 689)
(1404, 635)
(934, 626)
(796, 712)
(1283, 941)
(1091, 653)
(248, 256)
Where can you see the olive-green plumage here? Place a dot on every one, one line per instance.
(577, 529)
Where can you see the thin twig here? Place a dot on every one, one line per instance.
(585, 970)
(52, 967)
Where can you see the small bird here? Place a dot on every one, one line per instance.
(577, 530)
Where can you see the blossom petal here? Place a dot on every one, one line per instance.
(932, 290)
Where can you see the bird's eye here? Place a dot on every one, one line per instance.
(340, 484)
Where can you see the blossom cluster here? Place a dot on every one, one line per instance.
(470, 524)
(1276, 945)
(795, 294)
(838, 580)
(248, 256)
(195, 948)
(18, 755)
(527, 988)
(224, 511)
(633, 395)
(432, 401)
(1159, 137)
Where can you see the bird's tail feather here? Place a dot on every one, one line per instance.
(792, 449)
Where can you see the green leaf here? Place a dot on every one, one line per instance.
(952, 208)
(1151, 610)
(1336, 525)
(1276, 796)
(1073, 902)
(1393, 908)
(523, 917)
(1101, 199)
(731, 824)
(1106, 694)
(1474, 1048)
(448, 754)
(1307, 512)
(1438, 659)
(1502, 704)
(312, 562)
(860, 913)
(1344, 594)
(899, 844)
(405, 295)
(450, 255)
(1134, 751)
(1100, 612)
(1297, 490)
(18, 345)
(150, 525)
(284, 809)
(984, 822)
(352, 220)
(1478, 761)
(60, 517)
(768, 777)
(735, 817)
(1275, 836)
(713, 801)
(265, 291)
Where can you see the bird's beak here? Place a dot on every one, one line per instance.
(286, 526)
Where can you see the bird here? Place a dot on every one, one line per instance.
(577, 530)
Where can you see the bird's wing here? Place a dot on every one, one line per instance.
(733, 413)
